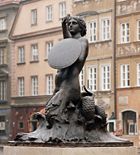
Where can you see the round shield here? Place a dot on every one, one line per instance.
(64, 53)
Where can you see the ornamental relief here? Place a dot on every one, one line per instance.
(128, 7)
(128, 50)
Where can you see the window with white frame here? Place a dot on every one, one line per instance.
(49, 46)
(138, 74)
(3, 90)
(129, 122)
(2, 56)
(49, 84)
(81, 80)
(34, 52)
(132, 128)
(125, 75)
(2, 125)
(92, 77)
(49, 13)
(21, 86)
(92, 31)
(105, 77)
(34, 85)
(125, 33)
(2, 24)
(21, 54)
(62, 9)
(105, 29)
(34, 17)
(111, 125)
(138, 30)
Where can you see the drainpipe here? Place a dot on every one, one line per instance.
(114, 62)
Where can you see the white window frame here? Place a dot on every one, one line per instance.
(105, 77)
(49, 84)
(34, 17)
(34, 85)
(92, 78)
(62, 9)
(2, 56)
(92, 31)
(3, 90)
(34, 52)
(114, 124)
(49, 46)
(129, 128)
(138, 30)
(125, 75)
(21, 86)
(105, 32)
(125, 32)
(81, 80)
(49, 13)
(138, 74)
(21, 54)
(3, 24)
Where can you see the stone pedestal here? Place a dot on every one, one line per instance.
(28, 150)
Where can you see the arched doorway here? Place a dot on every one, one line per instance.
(129, 122)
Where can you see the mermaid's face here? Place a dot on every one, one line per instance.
(73, 26)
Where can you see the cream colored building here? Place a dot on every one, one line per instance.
(36, 29)
(98, 71)
(128, 68)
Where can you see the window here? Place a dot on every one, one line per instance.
(92, 31)
(49, 84)
(105, 29)
(92, 76)
(62, 9)
(2, 125)
(81, 80)
(34, 82)
(21, 125)
(2, 24)
(21, 86)
(34, 17)
(2, 56)
(21, 55)
(111, 125)
(105, 75)
(129, 122)
(138, 30)
(3, 90)
(125, 33)
(125, 79)
(35, 54)
(138, 74)
(49, 13)
(49, 46)
(132, 128)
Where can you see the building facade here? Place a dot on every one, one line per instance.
(98, 73)
(128, 68)
(8, 9)
(36, 29)
(112, 69)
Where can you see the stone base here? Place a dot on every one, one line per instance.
(27, 150)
